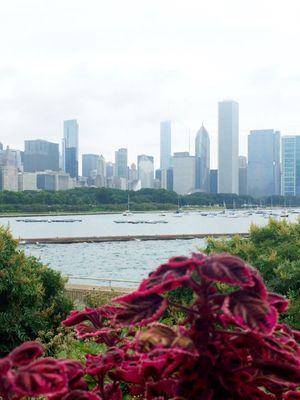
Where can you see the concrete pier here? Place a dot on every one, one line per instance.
(100, 239)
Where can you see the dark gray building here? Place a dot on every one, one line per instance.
(213, 180)
(263, 163)
(40, 155)
(46, 181)
(70, 151)
(202, 160)
(121, 163)
(242, 175)
(89, 164)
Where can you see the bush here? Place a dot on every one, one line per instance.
(31, 295)
(275, 251)
(230, 345)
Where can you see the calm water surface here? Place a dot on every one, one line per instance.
(122, 260)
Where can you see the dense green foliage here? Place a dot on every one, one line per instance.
(275, 251)
(102, 199)
(31, 295)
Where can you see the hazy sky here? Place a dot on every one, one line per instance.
(120, 67)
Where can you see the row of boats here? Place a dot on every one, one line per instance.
(49, 221)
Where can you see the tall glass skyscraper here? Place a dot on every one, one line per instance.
(202, 160)
(70, 149)
(290, 179)
(263, 163)
(165, 145)
(228, 137)
(121, 163)
(40, 155)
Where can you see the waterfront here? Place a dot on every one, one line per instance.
(104, 225)
(128, 261)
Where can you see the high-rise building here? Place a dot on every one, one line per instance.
(213, 178)
(101, 172)
(165, 145)
(202, 160)
(263, 163)
(70, 148)
(121, 163)
(40, 155)
(167, 179)
(290, 164)
(89, 164)
(242, 175)
(183, 173)
(228, 137)
(146, 170)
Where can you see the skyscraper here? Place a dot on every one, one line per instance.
(242, 175)
(121, 163)
(228, 136)
(40, 155)
(264, 163)
(183, 173)
(89, 164)
(101, 172)
(165, 145)
(290, 180)
(146, 171)
(71, 147)
(202, 160)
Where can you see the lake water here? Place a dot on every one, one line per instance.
(128, 261)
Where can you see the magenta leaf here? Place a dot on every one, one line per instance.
(140, 308)
(227, 269)
(26, 353)
(113, 391)
(249, 311)
(279, 302)
(43, 377)
(81, 395)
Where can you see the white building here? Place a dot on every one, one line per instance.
(9, 178)
(228, 148)
(165, 145)
(27, 181)
(146, 171)
(183, 173)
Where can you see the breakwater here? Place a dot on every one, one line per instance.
(101, 239)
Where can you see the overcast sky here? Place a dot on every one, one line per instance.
(120, 67)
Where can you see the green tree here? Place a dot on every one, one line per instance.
(31, 295)
(274, 249)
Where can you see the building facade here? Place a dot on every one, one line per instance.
(165, 145)
(146, 170)
(228, 147)
(242, 175)
(27, 181)
(121, 163)
(202, 160)
(263, 163)
(70, 148)
(183, 173)
(290, 164)
(41, 155)
(213, 179)
(89, 164)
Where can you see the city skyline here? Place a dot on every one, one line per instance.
(120, 74)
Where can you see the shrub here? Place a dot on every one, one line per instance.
(275, 251)
(229, 347)
(31, 295)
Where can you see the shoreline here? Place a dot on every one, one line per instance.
(103, 239)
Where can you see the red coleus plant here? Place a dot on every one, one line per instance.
(230, 345)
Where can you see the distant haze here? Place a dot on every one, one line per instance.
(120, 67)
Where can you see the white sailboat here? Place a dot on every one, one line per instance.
(127, 213)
